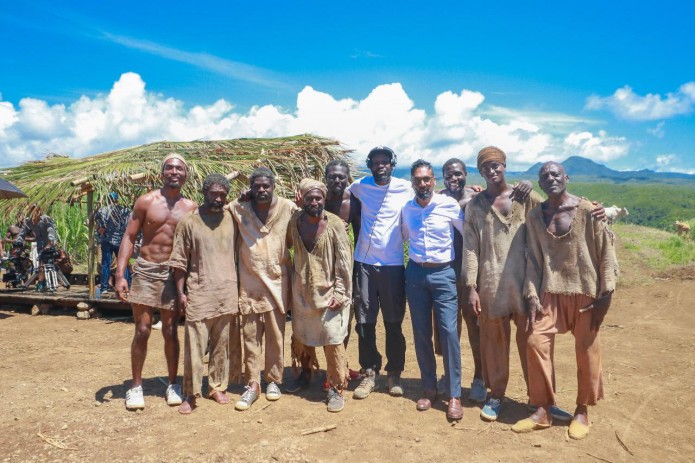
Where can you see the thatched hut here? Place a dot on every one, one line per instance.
(132, 171)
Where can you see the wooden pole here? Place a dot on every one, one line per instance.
(90, 258)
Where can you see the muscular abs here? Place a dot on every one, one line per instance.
(159, 217)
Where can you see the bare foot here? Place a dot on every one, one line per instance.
(220, 397)
(542, 416)
(187, 406)
(581, 414)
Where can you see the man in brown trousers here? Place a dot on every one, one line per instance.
(494, 263)
(570, 279)
(204, 264)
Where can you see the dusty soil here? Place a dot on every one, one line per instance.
(65, 379)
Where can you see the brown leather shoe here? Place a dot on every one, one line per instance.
(425, 402)
(455, 411)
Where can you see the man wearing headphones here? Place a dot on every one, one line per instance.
(379, 279)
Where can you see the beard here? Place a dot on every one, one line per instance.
(314, 211)
(424, 195)
(381, 177)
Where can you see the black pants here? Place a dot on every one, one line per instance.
(380, 287)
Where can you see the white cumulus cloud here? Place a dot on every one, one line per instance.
(460, 125)
(600, 148)
(626, 104)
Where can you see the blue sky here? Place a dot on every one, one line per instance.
(612, 82)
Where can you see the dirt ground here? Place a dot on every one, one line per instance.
(62, 383)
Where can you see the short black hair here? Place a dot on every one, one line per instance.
(336, 162)
(216, 179)
(262, 172)
(420, 163)
(453, 161)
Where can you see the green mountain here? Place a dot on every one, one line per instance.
(577, 166)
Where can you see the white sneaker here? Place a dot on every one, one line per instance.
(174, 395)
(157, 326)
(272, 392)
(134, 399)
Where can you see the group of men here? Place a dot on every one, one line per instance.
(484, 257)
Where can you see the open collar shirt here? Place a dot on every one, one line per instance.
(430, 229)
(380, 241)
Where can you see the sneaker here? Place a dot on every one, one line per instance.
(366, 386)
(247, 399)
(394, 385)
(174, 395)
(491, 410)
(134, 399)
(556, 412)
(157, 326)
(561, 415)
(272, 392)
(478, 392)
(300, 382)
(441, 387)
(335, 401)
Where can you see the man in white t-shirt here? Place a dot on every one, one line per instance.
(379, 280)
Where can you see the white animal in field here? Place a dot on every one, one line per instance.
(614, 212)
(682, 228)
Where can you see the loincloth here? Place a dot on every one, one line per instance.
(153, 285)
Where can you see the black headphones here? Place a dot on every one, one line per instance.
(381, 150)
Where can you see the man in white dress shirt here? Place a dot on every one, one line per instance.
(379, 271)
(428, 223)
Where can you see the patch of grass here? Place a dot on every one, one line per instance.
(677, 250)
(650, 250)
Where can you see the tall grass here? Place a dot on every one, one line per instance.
(71, 227)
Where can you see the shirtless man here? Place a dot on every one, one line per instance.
(571, 275)
(156, 214)
(11, 235)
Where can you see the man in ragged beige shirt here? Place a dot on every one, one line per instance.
(264, 282)
(494, 264)
(570, 279)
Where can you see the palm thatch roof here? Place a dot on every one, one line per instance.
(133, 171)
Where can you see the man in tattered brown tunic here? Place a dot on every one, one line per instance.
(204, 262)
(570, 278)
(264, 283)
(321, 291)
(494, 265)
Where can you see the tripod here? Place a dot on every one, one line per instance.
(54, 277)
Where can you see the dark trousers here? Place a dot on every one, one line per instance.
(431, 289)
(375, 288)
